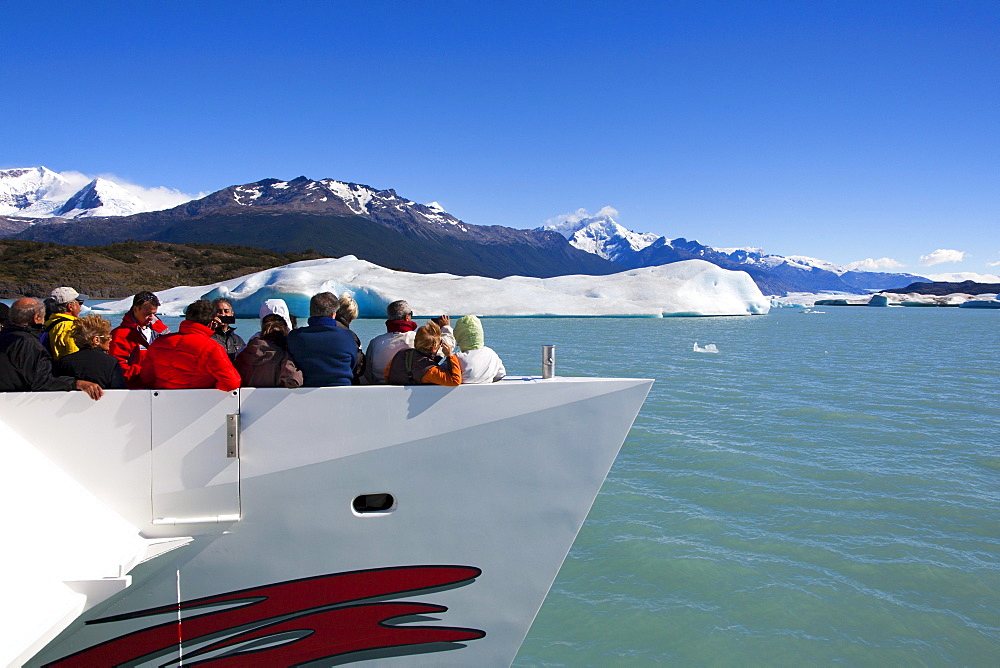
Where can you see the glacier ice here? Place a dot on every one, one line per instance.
(688, 288)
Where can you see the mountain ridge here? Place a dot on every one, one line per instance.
(341, 218)
(335, 218)
(774, 274)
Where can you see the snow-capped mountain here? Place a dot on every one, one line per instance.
(38, 192)
(756, 256)
(341, 218)
(601, 235)
(101, 197)
(775, 274)
(335, 218)
(32, 192)
(328, 196)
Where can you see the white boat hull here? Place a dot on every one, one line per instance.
(491, 485)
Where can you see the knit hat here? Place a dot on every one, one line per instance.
(469, 333)
(278, 307)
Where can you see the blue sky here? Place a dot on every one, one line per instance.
(840, 130)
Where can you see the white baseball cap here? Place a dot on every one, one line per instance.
(65, 295)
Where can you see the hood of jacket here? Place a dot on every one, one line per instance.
(469, 333)
(260, 351)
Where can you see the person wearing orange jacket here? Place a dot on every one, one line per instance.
(189, 359)
(419, 365)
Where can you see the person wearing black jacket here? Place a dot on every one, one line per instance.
(93, 362)
(25, 364)
(346, 314)
(225, 333)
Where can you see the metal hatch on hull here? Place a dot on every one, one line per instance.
(195, 475)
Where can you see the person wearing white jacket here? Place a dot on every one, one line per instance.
(480, 364)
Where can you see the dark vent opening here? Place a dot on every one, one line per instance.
(374, 503)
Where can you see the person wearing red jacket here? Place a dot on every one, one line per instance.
(189, 359)
(138, 329)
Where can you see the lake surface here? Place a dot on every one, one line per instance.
(822, 490)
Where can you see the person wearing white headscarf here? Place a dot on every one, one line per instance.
(479, 363)
(278, 307)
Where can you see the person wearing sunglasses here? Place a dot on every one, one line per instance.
(224, 326)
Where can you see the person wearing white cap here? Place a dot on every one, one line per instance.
(67, 304)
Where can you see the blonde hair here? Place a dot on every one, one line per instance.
(348, 309)
(427, 338)
(87, 327)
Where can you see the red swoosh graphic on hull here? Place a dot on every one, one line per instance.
(313, 613)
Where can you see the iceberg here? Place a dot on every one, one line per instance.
(687, 288)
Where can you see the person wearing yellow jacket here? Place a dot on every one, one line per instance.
(59, 326)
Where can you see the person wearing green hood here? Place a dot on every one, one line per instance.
(479, 363)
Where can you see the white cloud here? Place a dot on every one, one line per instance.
(870, 264)
(942, 255)
(74, 181)
(993, 264)
(582, 214)
(158, 197)
(958, 277)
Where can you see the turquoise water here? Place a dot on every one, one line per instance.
(822, 490)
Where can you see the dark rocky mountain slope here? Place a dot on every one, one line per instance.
(940, 288)
(336, 219)
(32, 268)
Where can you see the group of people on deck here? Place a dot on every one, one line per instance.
(50, 346)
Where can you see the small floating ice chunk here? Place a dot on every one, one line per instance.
(709, 348)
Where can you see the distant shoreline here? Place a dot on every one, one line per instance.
(942, 288)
